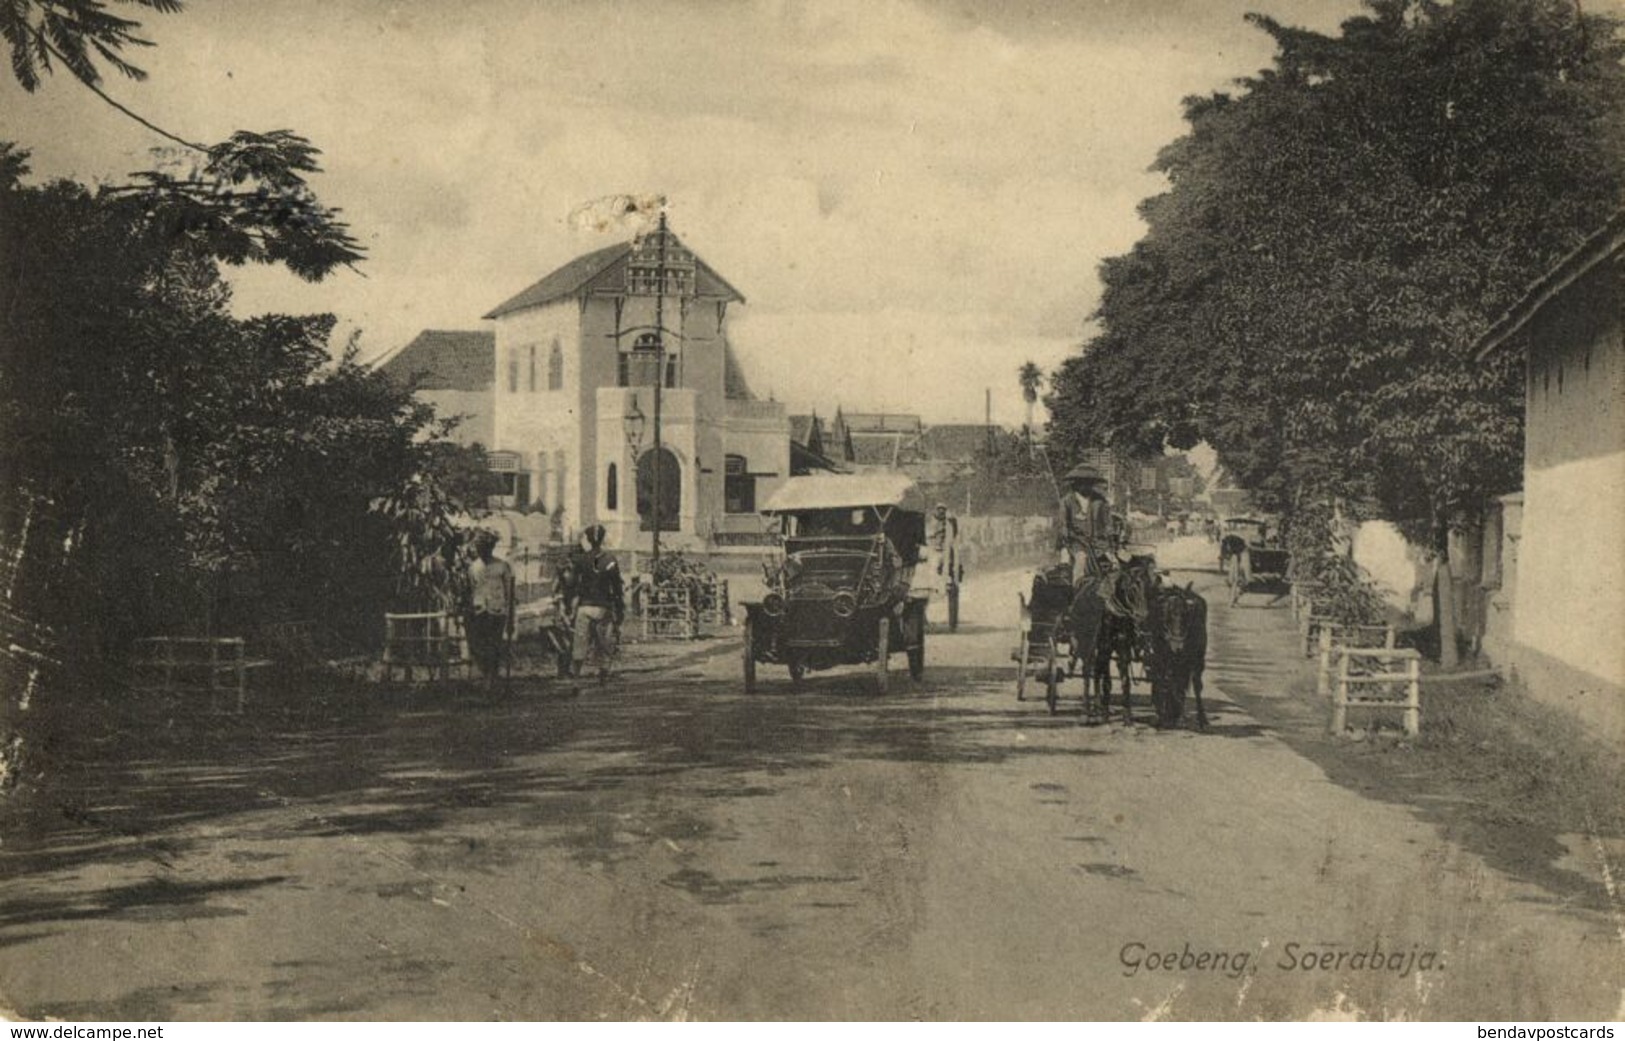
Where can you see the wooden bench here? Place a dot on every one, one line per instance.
(1333, 637)
(1386, 678)
(181, 664)
(431, 641)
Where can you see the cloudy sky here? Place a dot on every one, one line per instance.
(913, 197)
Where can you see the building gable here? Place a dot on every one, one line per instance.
(603, 271)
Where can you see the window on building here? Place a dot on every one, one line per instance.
(555, 367)
(640, 369)
(513, 483)
(532, 383)
(513, 372)
(738, 486)
(612, 488)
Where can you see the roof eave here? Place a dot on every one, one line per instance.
(1607, 242)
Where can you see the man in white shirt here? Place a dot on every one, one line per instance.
(490, 618)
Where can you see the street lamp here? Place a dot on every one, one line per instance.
(633, 423)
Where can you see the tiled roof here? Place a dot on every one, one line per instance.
(887, 449)
(954, 442)
(606, 267)
(805, 461)
(445, 359)
(801, 428)
(882, 422)
(734, 385)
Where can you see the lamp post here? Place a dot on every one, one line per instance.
(632, 423)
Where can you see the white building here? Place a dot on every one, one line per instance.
(574, 399)
(1566, 534)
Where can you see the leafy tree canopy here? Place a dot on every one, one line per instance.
(1335, 235)
(245, 199)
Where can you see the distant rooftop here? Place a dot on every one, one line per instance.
(446, 359)
(882, 423)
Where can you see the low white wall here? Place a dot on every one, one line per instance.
(1397, 567)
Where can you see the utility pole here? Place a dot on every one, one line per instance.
(660, 382)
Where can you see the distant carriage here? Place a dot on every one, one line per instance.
(1251, 556)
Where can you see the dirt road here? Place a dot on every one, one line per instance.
(670, 848)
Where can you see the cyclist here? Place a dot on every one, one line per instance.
(594, 597)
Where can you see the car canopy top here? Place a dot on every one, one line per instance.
(845, 491)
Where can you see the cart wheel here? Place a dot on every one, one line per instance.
(916, 653)
(1052, 694)
(953, 608)
(1021, 668)
(750, 654)
(882, 652)
(798, 672)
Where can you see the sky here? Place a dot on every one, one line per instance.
(913, 197)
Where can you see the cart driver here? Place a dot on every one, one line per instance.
(1084, 531)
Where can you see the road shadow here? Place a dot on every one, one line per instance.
(134, 782)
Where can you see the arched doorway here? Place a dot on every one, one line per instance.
(671, 489)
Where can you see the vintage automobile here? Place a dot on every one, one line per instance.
(838, 583)
(1250, 555)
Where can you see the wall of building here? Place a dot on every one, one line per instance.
(475, 406)
(1397, 568)
(542, 425)
(759, 431)
(1568, 608)
(1503, 533)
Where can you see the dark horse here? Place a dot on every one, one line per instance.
(1178, 653)
(1106, 620)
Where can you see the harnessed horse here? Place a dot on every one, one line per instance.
(1106, 619)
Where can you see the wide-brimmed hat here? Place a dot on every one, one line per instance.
(1085, 473)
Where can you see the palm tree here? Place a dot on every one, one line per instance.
(1031, 377)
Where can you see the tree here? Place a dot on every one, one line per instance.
(1031, 378)
(245, 199)
(183, 450)
(1334, 237)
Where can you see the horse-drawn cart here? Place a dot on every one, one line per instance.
(1042, 639)
(1251, 556)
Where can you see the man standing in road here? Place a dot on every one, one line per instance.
(593, 594)
(945, 568)
(1085, 526)
(490, 619)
